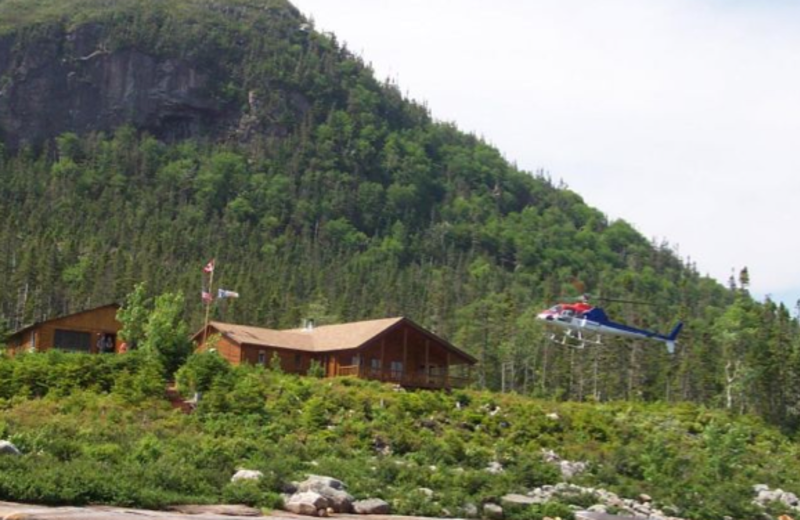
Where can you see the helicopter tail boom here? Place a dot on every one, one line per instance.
(674, 334)
(670, 340)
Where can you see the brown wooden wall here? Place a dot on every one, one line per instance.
(292, 361)
(225, 347)
(408, 346)
(22, 342)
(97, 322)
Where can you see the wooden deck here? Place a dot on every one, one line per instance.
(411, 380)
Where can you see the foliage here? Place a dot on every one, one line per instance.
(381, 443)
(316, 369)
(200, 370)
(166, 333)
(57, 373)
(133, 316)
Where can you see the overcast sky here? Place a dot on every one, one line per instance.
(680, 116)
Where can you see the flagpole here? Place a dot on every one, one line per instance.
(208, 304)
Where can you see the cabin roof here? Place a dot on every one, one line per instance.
(324, 338)
(42, 322)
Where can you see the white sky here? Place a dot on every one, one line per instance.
(680, 116)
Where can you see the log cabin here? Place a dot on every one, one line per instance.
(92, 331)
(394, 350)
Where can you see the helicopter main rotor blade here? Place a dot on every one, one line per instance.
(618, 300)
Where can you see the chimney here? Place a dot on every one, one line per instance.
(308, 324)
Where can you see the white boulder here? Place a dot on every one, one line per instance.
(6, 448)
(247, 474)
(372, 506)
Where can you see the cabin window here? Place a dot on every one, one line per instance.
(72, 341)
(356, 361)
(375, 364)
(262, 357)
(298, 361)
(397, 369)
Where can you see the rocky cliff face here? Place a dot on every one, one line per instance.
(68, 81)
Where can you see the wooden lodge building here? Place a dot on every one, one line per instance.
(394, 350)
(92, 331)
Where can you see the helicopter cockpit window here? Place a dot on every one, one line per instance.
(566, 315)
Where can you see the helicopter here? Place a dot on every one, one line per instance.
(581, 318)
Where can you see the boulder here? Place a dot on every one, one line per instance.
(247, 474)
(307, 503)
(469, 510)
(494, 467)
(550, 456)
(519, 500)
(767, 495)
(372, 506)
(332, 489)
(789, 499)
(570, 469)
(426, 491)
(6, 448)
(340, 501)
(493, 511)
(312, 482)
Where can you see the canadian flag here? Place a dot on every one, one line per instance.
(209, 268)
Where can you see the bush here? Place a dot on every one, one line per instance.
(199, 372)
(539, 511)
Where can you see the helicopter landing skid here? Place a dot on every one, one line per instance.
(575, 340)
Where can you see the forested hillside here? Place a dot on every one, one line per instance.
(321, 191)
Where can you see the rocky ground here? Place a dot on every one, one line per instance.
(12, 511)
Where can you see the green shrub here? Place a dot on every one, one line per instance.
(316, 369)
(199, 372)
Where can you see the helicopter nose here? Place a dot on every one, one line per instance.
(546, 316)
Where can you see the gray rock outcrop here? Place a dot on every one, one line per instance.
(604, 501)
(71, 80)
(765, 496)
